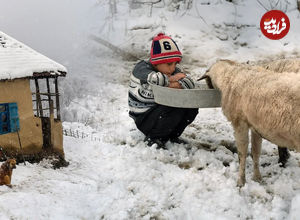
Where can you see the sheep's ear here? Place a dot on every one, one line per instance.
(209, 82)
(202, 77)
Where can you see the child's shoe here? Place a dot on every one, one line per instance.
(151, 141)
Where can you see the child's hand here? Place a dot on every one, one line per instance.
(176, 77)
(174, 80)
(181, 81)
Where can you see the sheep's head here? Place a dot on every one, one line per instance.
(207, 80)
(218, 73)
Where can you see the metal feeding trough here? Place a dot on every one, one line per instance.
(200, 97)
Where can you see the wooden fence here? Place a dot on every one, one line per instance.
(80, 134)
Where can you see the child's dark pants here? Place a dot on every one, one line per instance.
(165, 122)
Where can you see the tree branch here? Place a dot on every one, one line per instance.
(262, 5)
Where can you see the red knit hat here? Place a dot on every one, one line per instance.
(164, 50)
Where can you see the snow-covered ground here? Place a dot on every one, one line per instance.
(117, 176)
(120, 178)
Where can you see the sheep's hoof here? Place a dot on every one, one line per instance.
(241, 182)
(257, 178)
(284, 155)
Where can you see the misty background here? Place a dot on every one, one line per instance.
(90, 36)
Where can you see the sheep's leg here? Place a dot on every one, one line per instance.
(256, 141)
(242, 140)
(284, 155)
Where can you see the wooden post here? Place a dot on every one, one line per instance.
(36, 103)
(19, 141)
(57, 98)
(38, 99)
(49, 96)
(51, 108)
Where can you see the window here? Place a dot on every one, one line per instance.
(45, 97)
(9, 118)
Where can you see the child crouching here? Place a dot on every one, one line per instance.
(159, 123)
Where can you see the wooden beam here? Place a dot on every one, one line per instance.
(38, 99)
(51, 107)
(41, 100)
(43, 93)
(46, 108)
(49, 96)
(57, 98)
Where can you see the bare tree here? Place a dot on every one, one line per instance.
(137, 3)
(113, 7)
(275, 4)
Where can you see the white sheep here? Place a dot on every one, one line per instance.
(282, 65)
(267, 103)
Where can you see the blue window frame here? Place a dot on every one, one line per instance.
(9, 118)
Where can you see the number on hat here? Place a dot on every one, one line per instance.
(167, 45)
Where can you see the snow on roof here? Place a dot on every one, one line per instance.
(20, 61)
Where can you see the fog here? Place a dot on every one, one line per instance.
(56, 28)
